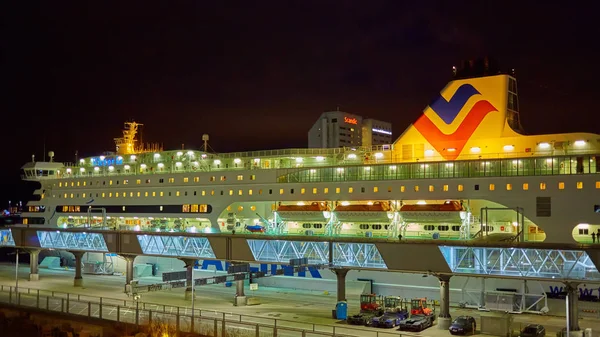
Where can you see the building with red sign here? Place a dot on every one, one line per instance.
(342, 129)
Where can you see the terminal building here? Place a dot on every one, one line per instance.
(341, 129)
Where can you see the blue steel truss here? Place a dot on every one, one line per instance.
(361, 255)
(6, 238)
(179, 246)
(91, 242)
(521, 262)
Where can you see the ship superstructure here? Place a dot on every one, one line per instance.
(463, 171)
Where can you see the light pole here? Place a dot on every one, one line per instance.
(17, 274)
(193, 284)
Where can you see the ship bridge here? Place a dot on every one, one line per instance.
(522, 260)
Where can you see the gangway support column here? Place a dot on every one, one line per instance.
(189, 266)
(34, 274)
(129, 267)
(341, 273)
(444, 318)
(572, 289)
(78, 280)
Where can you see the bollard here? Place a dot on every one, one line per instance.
(257, 333)
(100, 308)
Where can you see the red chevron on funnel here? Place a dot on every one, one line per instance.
(458, 138)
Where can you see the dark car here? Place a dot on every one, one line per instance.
(417, 323)
(533, 330)
(462, 325)
(389, 319)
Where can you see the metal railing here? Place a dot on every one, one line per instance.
(205, 322)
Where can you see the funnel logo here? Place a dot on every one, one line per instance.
(448, 111)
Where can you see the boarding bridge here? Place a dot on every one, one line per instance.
(522, 260)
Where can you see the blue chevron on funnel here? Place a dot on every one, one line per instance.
(448, 110)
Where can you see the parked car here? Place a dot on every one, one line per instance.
(533, 330)
(417, 323)
(463, 325)
(389, 319)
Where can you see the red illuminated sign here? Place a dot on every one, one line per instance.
(350, 120)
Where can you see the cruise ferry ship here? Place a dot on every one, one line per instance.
(463, 170)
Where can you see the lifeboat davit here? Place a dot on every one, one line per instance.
(313, 212)
(377, 212)
(449, 211)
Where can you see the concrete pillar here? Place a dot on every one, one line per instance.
(78, 281)
(189, 266)
(444, 318)
(341, 273)
(129, 267)
(34, 274)
(572, 290)
(239, 288)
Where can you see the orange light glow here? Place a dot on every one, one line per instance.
(350, 120)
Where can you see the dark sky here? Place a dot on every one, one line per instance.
(256, 74)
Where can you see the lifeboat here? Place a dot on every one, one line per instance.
(256, 229)
(449, 211)
(378, 212)
(313, 212)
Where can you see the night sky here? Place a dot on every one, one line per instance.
(256, 74)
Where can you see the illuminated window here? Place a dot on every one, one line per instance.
(402, 188)
(83, 195)
(509, 187)
(171, 180)
(110, 195)
(186, 179)
(337, 190)
(223, 178)
(431, 188)
(597, 184)
(125, 182)
(416, 188)
(161, 193)
(194, 209)
(212, 178)
(145, 194)
(492, 187)
(138, 181)
(60, 184)
(445, 188)
(138, 194)
(185, 208)
(252, 177)
(302, 190)
(72, 183)
(110, 182)
(525, 186)
(230, 192)
(314, 190)
(116, 194)
(203, 208)
(161, 208)
(240, 192)
(154, 193)
(240, 177)
(65, 196)
(240, 208)
(579, 185)
(542, 186)
(249, 192)
(460, 188)
(260, 191)
(350, 189)
(78, 184)
(196, 179)
(253, 208)
(326, 190)
(389, 189)
(375, 189)
(71, 195)
(103, 194)
(177, 193)
(84, 183)
(212, 192)
(229, 208)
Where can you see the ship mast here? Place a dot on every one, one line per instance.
(126, 144)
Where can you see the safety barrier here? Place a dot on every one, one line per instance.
(205, 322)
